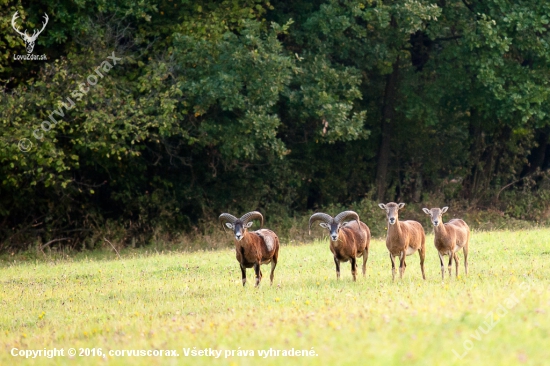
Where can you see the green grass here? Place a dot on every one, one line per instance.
(177, 300)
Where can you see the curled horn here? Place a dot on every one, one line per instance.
(251, 216)
(346, 215)
(319, 217)
(225, 217)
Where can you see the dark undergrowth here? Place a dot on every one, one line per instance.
(516, 211)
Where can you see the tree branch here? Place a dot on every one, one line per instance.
(511, 184)
(447, 38)
(469, 6)
(51, 242)
(112, 246)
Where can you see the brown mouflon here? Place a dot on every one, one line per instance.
(253, 248)
(449, 238)
(348, 240)
(404, 238)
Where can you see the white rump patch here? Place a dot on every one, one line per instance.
(269, 242)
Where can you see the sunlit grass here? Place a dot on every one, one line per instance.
(180, 300)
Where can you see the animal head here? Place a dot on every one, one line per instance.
(392, 211)
(333, 224)
(239, 226)
(436, 215)
(29, 40)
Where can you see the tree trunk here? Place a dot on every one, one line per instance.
(538, 154)
(471, 181)
(388, 109)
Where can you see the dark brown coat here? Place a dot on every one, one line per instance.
(257, 248)
(353, 242)
(348, 240)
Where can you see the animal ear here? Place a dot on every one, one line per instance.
(249, 224)
(444, 209)
(229, 225)
(324, 225)
(382, 206)
(426, 211)
(401, 205)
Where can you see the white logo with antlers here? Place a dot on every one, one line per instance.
(29, 40)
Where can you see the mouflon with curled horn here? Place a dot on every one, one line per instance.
(253, 248)
(348, 240)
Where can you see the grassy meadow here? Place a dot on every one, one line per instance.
(176, 300)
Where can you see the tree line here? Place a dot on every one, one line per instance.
(280, 106)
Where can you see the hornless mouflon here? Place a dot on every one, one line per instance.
(404, 238)
(449, 238)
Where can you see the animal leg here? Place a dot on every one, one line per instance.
(273, 265)
(392, 267)
(365, 258)
(465, 249)
(337, 262)
(258, 273)
(354, 268)
(402, 265)
(456, 264)
(450, 264)
(422, 253)
(243, 272)
(442, 266)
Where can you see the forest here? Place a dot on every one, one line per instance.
(147, 119)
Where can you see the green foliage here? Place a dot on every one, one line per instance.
(278, 106)
(231, 85)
